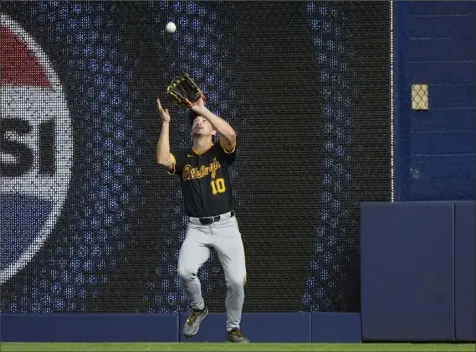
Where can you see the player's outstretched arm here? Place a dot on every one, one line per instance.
(227, 133)
(163, 145)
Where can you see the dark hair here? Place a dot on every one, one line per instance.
(191, 116)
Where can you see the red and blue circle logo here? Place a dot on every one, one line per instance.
(36, 148)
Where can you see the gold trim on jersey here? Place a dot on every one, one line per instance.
(206, 150)
(174, 161)
(192, 173)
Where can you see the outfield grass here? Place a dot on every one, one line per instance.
(13, 346)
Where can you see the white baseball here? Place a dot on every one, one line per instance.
(170, 27)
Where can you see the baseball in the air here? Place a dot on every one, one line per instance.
(170, 27)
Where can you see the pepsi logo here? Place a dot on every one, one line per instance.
(36, 147)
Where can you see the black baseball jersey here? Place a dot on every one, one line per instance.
(205, 181)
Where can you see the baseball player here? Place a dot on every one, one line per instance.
(207, 193)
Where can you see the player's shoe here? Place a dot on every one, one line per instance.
(235, 335)
(193, 322)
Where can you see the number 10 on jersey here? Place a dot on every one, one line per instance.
(218, 186)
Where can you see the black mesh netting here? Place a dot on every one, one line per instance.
(90, 223)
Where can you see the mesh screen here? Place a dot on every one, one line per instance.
(90, 223)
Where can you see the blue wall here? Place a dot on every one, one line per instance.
(417, 271)
(435, 44)
(259, 327)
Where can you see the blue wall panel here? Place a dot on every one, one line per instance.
(336, 327)
(437, 143)
(441, 26)
(435, 44)
(454, 188)
(440, 8)
(445, 120)
(278, 327)
(407, 271)
(258, 327)
(444, 166)
(89, 327)
(465, 274)
(441, 49)
(453, 96)
(451, 72)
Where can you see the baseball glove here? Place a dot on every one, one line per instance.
(184, 91)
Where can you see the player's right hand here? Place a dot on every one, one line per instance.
(164, 113)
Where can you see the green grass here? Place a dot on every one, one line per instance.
(14, 346)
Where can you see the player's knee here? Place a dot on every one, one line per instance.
(186, 273)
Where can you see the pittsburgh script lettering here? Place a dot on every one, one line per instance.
(191, 173)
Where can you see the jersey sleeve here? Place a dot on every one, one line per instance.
(228, 156)
(179, 161)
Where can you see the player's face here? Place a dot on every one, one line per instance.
(201, 127)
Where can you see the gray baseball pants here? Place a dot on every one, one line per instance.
(225, 238)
